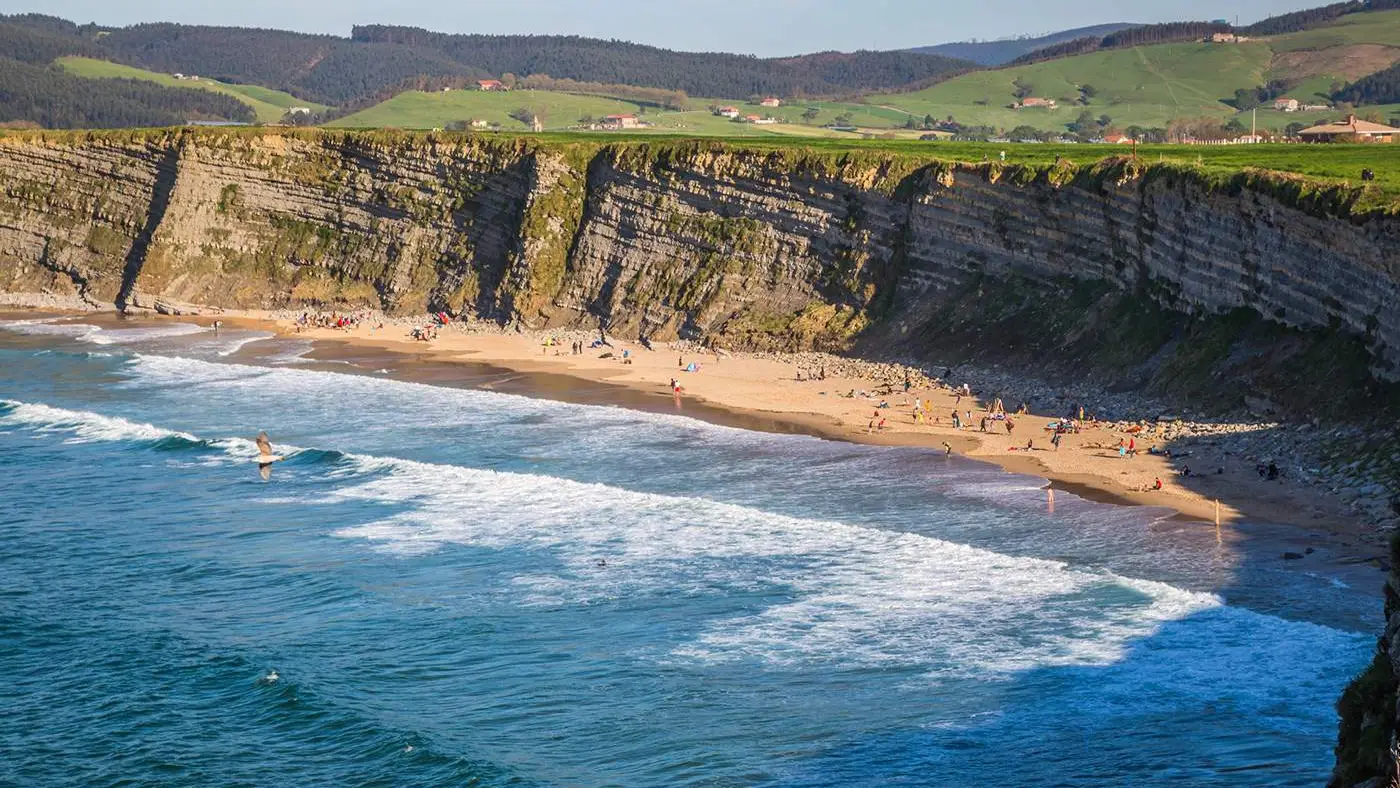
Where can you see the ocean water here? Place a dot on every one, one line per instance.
(453, 586)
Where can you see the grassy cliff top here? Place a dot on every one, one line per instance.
(1303, 171)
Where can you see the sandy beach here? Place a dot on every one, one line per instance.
(1086, 463)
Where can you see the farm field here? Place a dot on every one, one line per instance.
(1149, 86)
(269, 105)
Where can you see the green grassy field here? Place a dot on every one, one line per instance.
(1336, 164)
(269, 105)
(1143, 86)
(1149, 86)
(1377, 27)
(420, 110)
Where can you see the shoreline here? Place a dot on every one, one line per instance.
(761, 393)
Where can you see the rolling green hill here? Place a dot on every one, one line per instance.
(269, 105)
(1149, 86)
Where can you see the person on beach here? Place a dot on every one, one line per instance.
(957, 422)
(982, 427)
(947, 449)
(1157, 484)
(1030, 444)
(1055, 440)
(1010, 425)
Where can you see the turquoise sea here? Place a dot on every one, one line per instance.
(454, 585)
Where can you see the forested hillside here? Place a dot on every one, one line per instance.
(53, 99)
(697, 73)
(379, 61)
(1001, 52)
(1380, 88)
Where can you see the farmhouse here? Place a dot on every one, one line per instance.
(616, 122)
(491, 84)
(1349, 128)
(1032, 103)
(1118, 139)
(1226, 38)
(765, 121)
(752, 118)
(728, 112)
(1286, 104)
(771, 102)
(478, 123)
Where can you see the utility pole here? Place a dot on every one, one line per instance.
(1254, 126)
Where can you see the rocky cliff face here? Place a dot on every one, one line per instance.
(765, 248)
(1368, 744)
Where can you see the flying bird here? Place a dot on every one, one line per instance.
(265, 456)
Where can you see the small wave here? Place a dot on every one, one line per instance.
(50, 327)
(238, 344)
(84, 425)
(123, 336)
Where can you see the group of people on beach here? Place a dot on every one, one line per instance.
(344, 322)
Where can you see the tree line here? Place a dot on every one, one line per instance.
(1382, 87)
(1167, 33)
(56, 100)
(696, 73)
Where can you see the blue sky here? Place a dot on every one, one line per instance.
(762, 27)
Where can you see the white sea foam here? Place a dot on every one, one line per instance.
(235, 345)
(854, 596)
(822, 593)
(83, 425)
(840, 596)
(126, 336)
(53, 326)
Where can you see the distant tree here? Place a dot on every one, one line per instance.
(509, 80)
(844, 119)
(1136, 132)
(910, 123)
(929, 122)
(1088, 91)
(523, 115)
(1235, 127)
(1292, 129)
(1025, 133)
(1023, 89)
(810, 114)
(1084, 124)
(1105, 121)
(1246, 99)
(586, 120)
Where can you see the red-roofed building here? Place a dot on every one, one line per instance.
(1350, 128)
(771, 102)
(491, 84)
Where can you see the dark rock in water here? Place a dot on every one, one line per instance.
(1308, 551)
(1291, 556)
